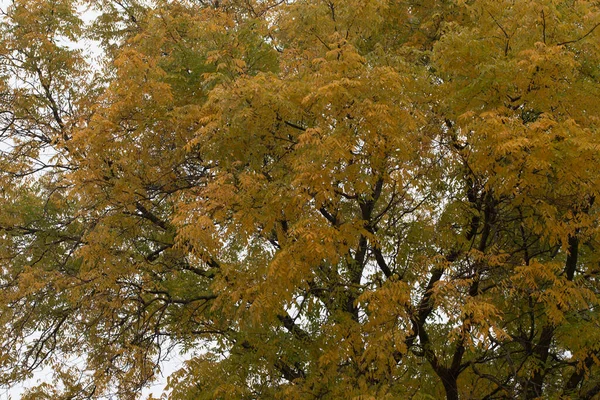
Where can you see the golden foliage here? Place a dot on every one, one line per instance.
(314, 199)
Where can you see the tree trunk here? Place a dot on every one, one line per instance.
(450, 386)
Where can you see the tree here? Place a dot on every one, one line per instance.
(314, 202)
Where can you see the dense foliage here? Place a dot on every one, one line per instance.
(316, 199)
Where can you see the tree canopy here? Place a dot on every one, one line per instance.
(316, 199)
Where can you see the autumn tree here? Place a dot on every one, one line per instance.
(314, 199)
